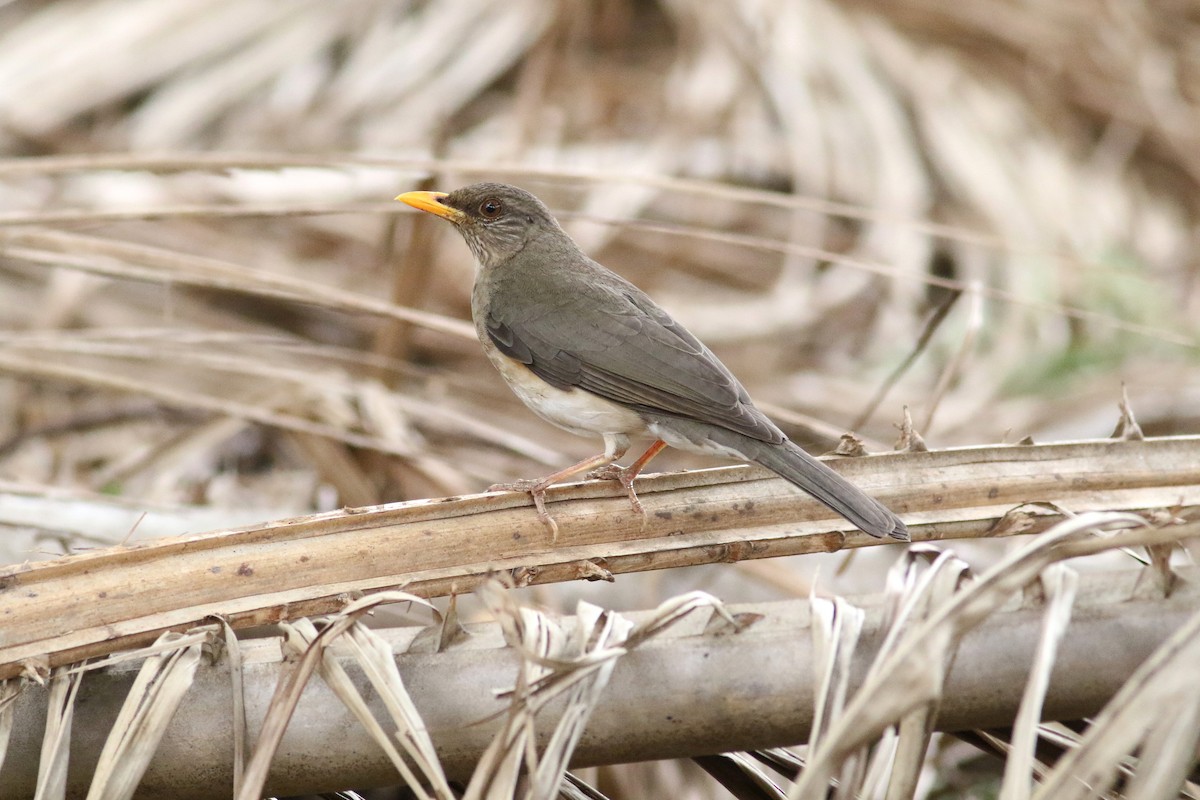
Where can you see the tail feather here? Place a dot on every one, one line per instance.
(799, 468)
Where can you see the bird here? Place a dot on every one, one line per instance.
(591, 353)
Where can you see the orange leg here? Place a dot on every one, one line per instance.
(625, 476)
(536, 487)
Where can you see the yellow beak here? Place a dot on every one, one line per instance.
(432, 202)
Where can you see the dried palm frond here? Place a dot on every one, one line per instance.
(511, 699)
(212, 312)
(282, 570)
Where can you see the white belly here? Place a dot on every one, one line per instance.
(577, 411)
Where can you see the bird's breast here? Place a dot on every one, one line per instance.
(574, 410)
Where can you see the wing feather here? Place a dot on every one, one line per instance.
(607, 337)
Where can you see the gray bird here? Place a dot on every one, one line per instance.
(588, 351)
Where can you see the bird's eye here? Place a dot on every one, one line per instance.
(490, 208)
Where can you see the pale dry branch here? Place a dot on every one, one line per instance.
(98, 602)
(746, 689)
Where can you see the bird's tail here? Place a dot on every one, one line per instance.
(799, 468)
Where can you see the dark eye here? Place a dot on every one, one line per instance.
(490, 208)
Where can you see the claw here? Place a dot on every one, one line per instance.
(537, 490)
(625, 476)
(609, 472)
(602, 467)
(525, 485)
(539, 502)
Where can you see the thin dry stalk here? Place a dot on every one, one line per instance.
(56, 742)
(1060, 584)
(1134, 720)
(922, 657)
(151, 703)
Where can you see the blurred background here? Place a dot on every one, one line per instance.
(213, 313)
(984, 211)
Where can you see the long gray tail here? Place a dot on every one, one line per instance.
(799, 468)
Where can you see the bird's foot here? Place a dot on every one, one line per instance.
(625, 476)
(537, 490)
(609, 472)
(527, 485)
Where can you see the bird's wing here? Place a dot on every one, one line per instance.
(607, 337)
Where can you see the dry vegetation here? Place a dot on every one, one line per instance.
(212, 314)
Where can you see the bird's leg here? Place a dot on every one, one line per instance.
(625, 475)
(615, 446)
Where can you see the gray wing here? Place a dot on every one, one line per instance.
(607, 337)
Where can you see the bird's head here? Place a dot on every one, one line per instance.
(497, 220)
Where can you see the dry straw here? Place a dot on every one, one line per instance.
(212, 315)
